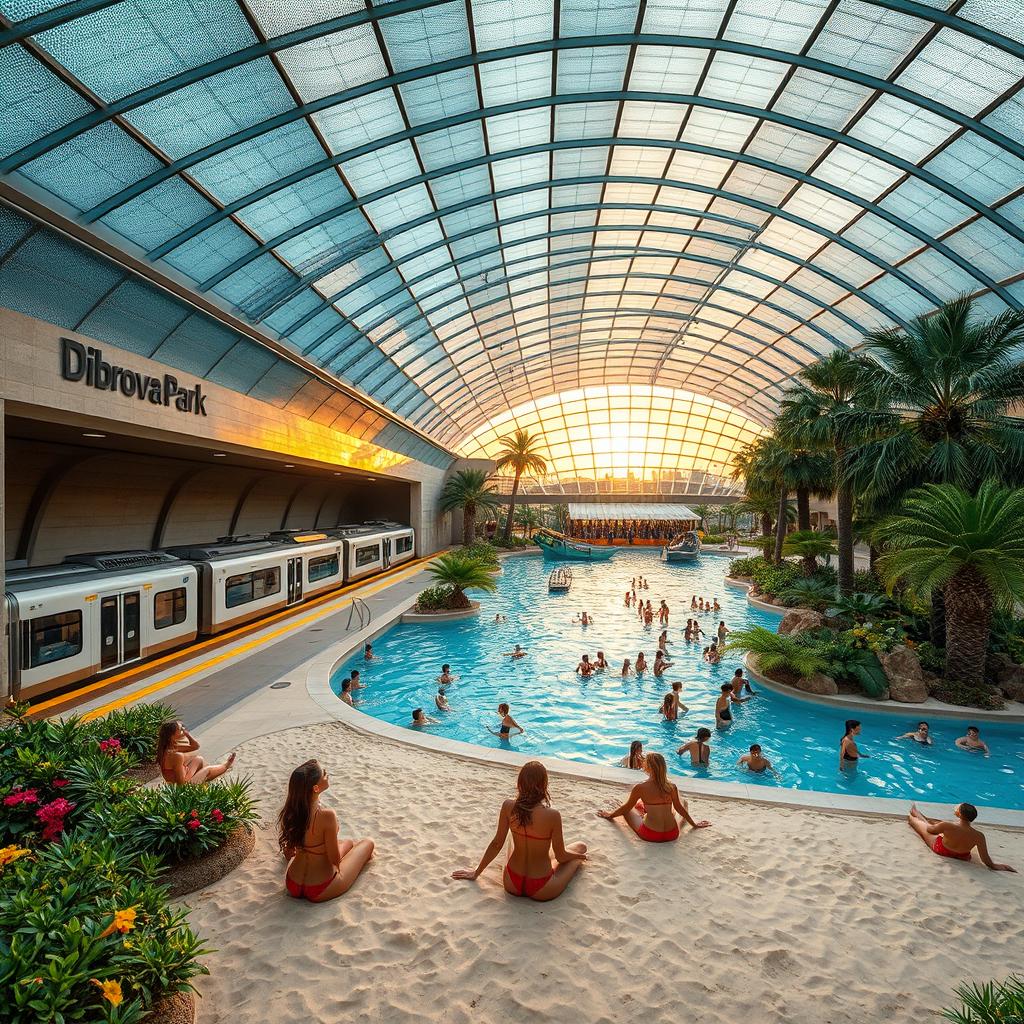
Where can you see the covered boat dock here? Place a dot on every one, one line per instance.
(624, 523)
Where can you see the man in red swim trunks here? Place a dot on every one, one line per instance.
(954, 839)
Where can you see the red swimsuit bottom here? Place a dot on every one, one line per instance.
(940, 848)
(525, 886)
(307, 892)
(649, 835)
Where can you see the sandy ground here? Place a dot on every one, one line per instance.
(770, 916)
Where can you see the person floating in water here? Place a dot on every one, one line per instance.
(508, 723)
(441, 700)
(649, 806)
(973, 741)
(536, 834)
(922, 735)
(699, 749)
(756, 762)
(585, 667)
(641, 663)
(954, 839)
(446, 678)
(635, 758)
(420, 719)
(368, 653)
(849, 754)
(516, 652)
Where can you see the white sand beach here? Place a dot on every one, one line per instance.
(772, 915)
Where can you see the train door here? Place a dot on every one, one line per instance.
(294, 580)
(120, 633)
(387, 552)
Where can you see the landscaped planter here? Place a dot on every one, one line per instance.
(145, 771)
(176, 1008)
(192, 875)
(449, 615)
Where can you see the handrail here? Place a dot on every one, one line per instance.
(359, 607)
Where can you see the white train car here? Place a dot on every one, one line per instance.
(374, 547)
(244, 578)
(95, 613)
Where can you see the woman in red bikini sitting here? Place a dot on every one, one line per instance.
(648, 811)
(954, 839)
(179, 763)
(320, 867)
(536, 834)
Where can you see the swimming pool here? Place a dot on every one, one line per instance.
(593, 720)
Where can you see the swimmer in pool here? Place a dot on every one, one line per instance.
(700, 605)
(663, 613)
(756, 762)
(508, 723)
(922, 735)
(667, 708)
(599, 661)
(500, 618)
(635, 758)
(648, 615)
(420, 719)
(663, 641)
(723, 632)
(693, 602)
(849, 754)
(741, 683)
(677, 693)
(641, 663)
(699, 749)
(585, 667)
(584, 619)
(627, 667)
(627, 602)
(357, 683)
(446, 678)
(955, 839)
(516, 652)
(368, 653)
(711, 655)
(716, 607)
(441, 700)
(346, 691)
(973, 741)
(723, 706)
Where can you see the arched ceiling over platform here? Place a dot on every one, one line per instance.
(463, 206)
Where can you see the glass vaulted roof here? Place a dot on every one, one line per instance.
(462, 207)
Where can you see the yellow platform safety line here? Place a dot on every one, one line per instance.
(131, 698)
(147, 667)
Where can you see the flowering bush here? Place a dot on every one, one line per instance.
(86, 935)
(111, 747)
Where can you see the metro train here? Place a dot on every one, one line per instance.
(100, 611)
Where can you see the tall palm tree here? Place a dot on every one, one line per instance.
(972, 547)
(519, 452)
(470, 490)
(461, 572)
(703, 511)
(818, 413)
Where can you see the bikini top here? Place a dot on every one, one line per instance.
(316, 847)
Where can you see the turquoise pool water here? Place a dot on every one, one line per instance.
(594, 720)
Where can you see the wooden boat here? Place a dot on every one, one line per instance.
(685, 548)
(560, 580)
(558, 546)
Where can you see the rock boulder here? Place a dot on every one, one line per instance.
(907, 682)
(818, 683)
(800, 619)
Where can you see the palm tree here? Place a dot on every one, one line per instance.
(970, 547)
(528, 519)
(470, 490)
(461, 572)
(519, 452)
(819, 415)
(703, 511)
(810, 546)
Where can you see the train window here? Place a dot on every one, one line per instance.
(52, 638)
(169, 608)
(403, 544)
(367, 555)
(322, 567)
(251, 586)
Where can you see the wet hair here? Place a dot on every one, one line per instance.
(925, 724)
(416, 714)
(367, 647)
(726, 687)
(974, 728)
(346, 685)
(164, 737)
(755, 748)
(531, 792)
(703, 733)
(293, 820)
(355, 672)
(738, 674)
(667, 703)
(851, 724)
(636, 752)
(968, 812)
(503, 708)
(444, 668)
(658, 771)
(584, 657)
(677, 686)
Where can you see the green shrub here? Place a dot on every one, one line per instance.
(808, 593)
(713, 538)
(966, 696)
(866, 582)
(483, 551)
(435, 599)
(992, 1003)
(932, 658)
(771, 580)
(860, 607)
(744, 567)
(777, 653)
(59, 945)
(176, 823)
(134, 727)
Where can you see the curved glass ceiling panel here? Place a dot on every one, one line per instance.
(462, 207)
(624, 439)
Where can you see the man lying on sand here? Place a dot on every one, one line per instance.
(954, 839)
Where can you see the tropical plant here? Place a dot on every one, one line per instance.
(434, 599)
(866, 581)
(844, 660)
(470, 490)
(994, 1002)
(861, 607)
(776, 653)
(972, 547)
(808, 593)
(819, 414)
(88, 935)
(809, 546)
(461, 573)
(484, 551)
(177, 823)
(528, 519)
(520, 452)
(703, 511)
(135, 727)
(740, 568)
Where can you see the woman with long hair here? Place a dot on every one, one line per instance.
(649, 808)
(849, 754)
(178, 760)
(320, 867)
(536, 834)
(635, 758)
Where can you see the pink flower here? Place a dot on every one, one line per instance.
(59, 783)
(52, 816)
(21, 796)
(195, 823)
(217, 816)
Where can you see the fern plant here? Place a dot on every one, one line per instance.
(776, 653)
(991, 1003)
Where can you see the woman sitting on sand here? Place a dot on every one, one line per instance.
(648, 810)
(320, 867)
(179, 763)
(536, 835)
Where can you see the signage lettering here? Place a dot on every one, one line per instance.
(81, 362)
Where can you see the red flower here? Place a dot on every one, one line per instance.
(193, 813)
(217, 816)
(59, 783)
(195, 823)
(52, 816)
(21, 796)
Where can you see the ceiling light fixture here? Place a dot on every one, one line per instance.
(86, 433)
(220, 455)
(289, 465)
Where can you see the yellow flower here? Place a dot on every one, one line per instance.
(111, 991)
(124, 921)
(9, 854)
